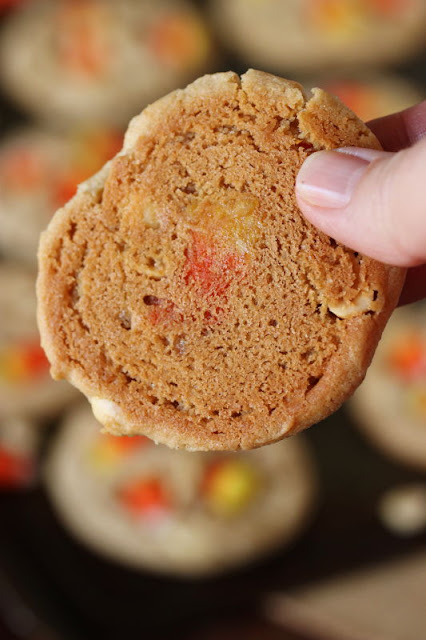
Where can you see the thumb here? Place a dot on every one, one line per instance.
(371, 201)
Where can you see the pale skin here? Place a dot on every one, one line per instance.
(375, 201)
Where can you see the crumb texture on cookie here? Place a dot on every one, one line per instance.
(184, 287)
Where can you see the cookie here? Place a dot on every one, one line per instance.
(309, 35)
(390, 405)
(373, 96)
(69, 61)
(18, 453)
(39, 172)
(26, 388)
(173, 511)
(184, 293)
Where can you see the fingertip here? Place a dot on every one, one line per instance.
(371, 202)
(327, 179)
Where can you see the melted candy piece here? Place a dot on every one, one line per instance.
(408, 357)
(81, 37)
(162, 311)
(222, 235)
(23, 363)
(146, 499)
(110, 450)
(231, 220)
(210, 267)
(15, 471)
(179, 41)
(220, 252)
(229, 486)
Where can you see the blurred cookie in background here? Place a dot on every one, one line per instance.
(102, 61)
(176, 512)
(18, 453)
(26, 388)
(39, 172)
(373, 96)
(390, 405)
(309, 35)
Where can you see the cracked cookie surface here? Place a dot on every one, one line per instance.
(182, 290)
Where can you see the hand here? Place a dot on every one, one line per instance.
(375, 201)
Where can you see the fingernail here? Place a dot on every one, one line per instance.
(328, 178)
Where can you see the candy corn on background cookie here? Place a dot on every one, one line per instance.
(183, 292)
(308, 35)
(99, 61)
(174, 511)
(390, 405)
(26, 387)
(39, 172)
